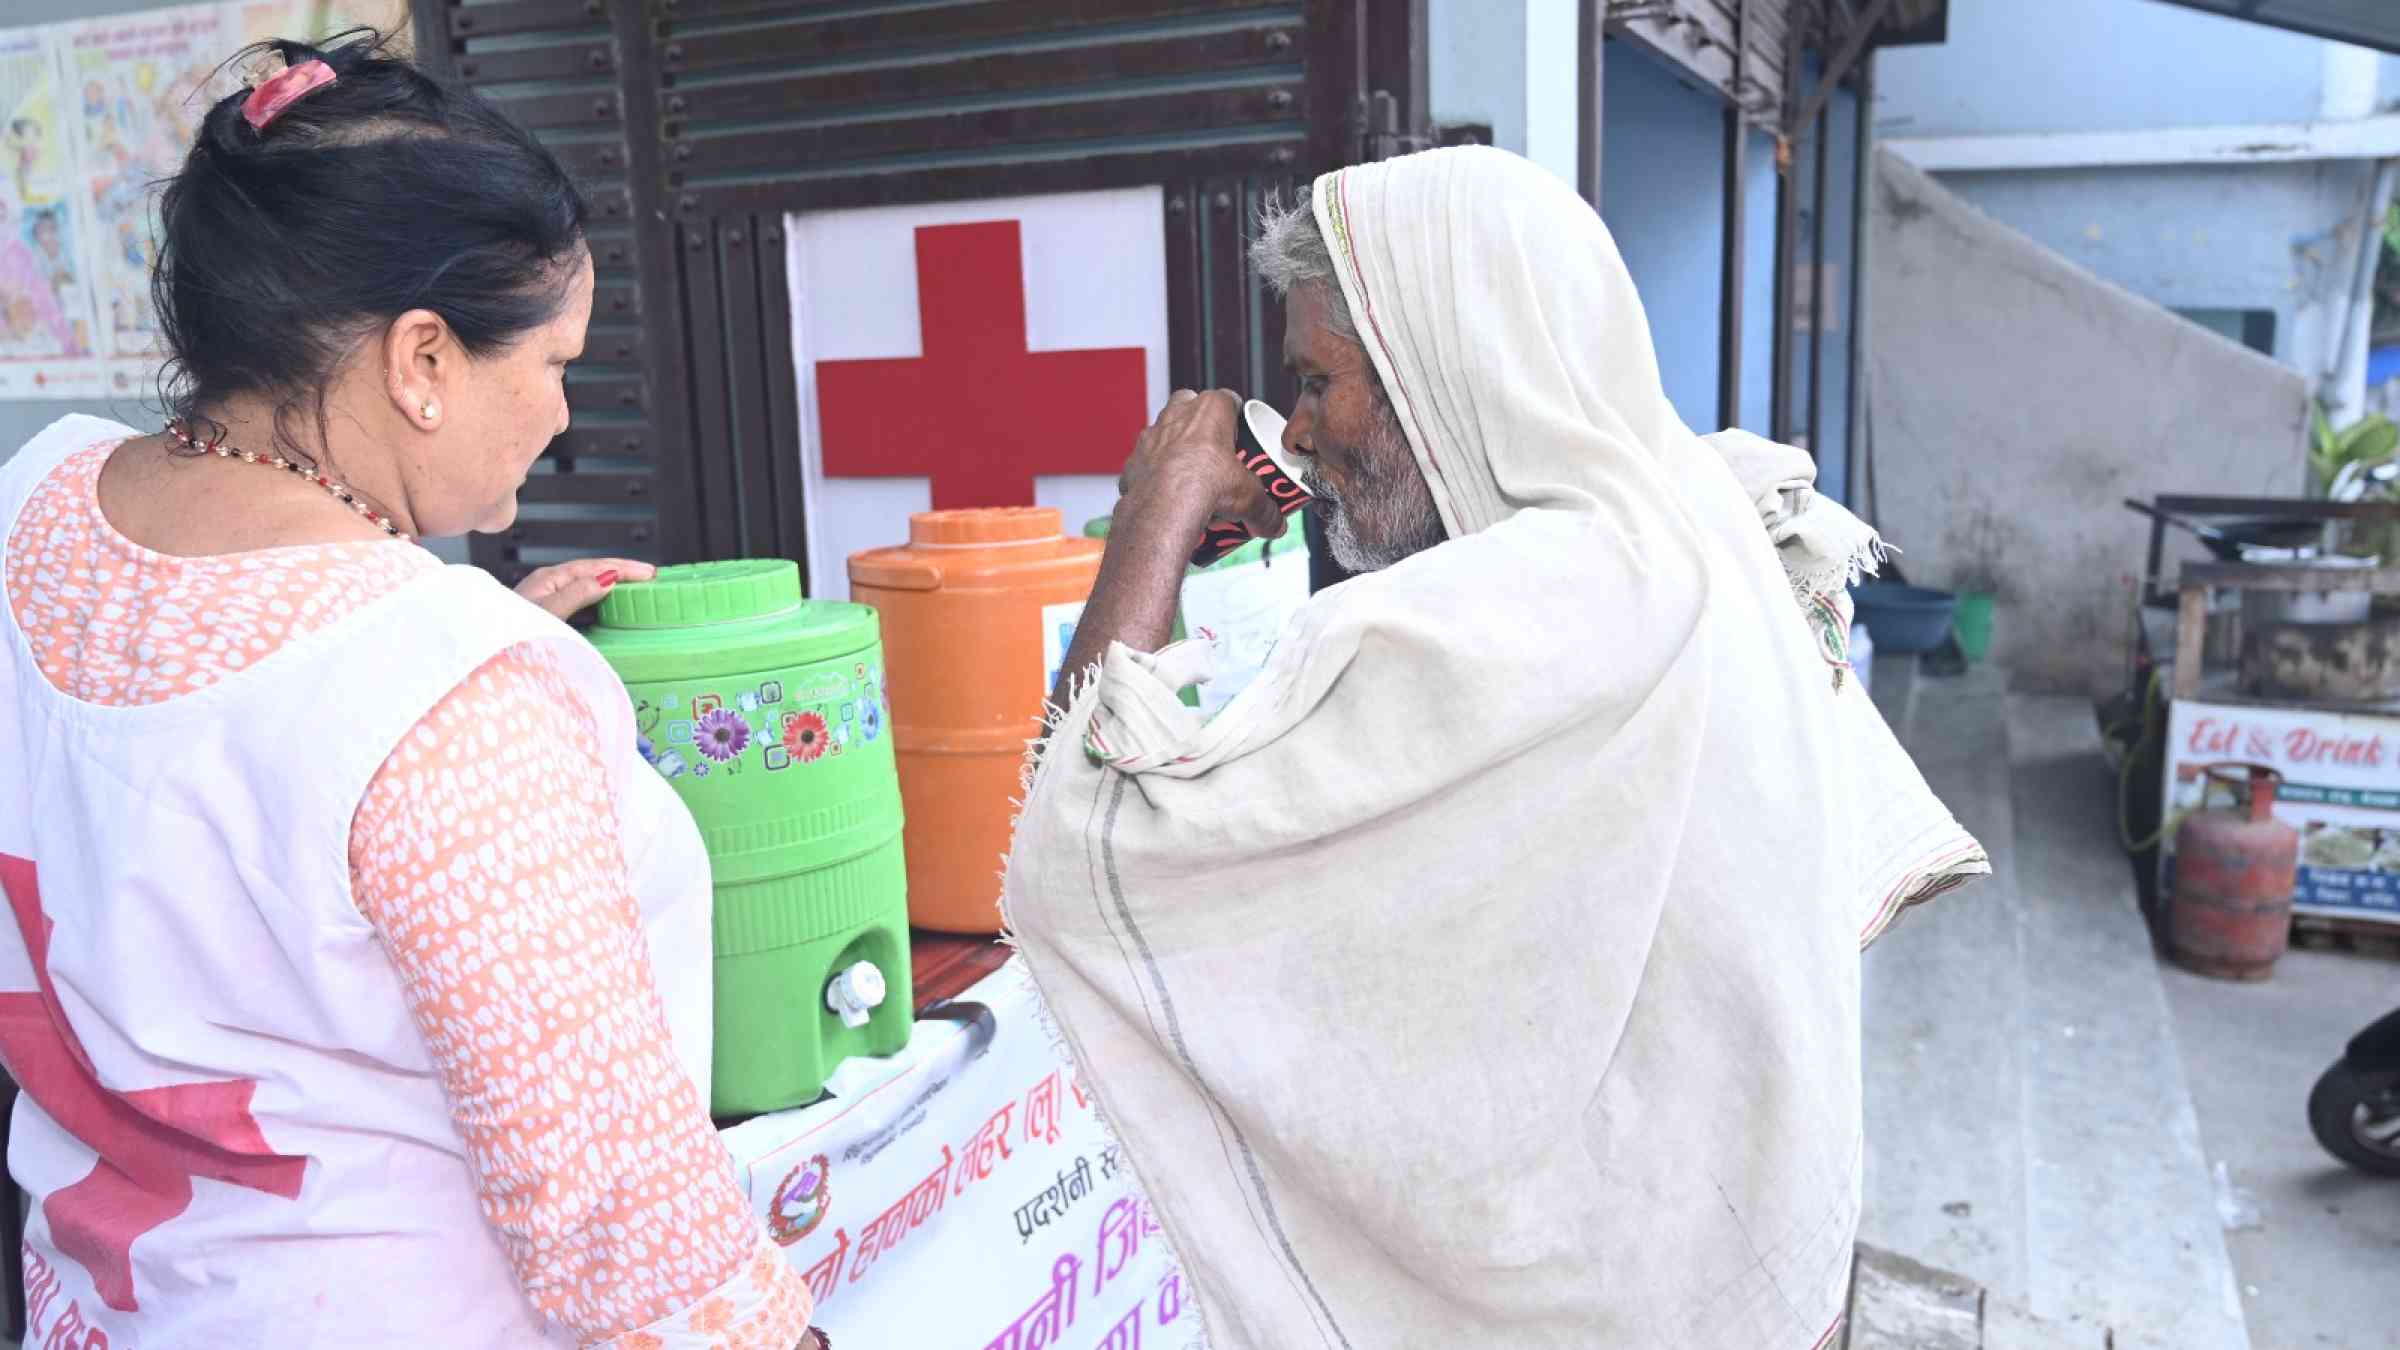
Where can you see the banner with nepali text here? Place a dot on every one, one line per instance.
(965, 1196)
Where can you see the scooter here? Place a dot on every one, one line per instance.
(2355, 1108)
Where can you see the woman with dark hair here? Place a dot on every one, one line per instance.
(356, 971)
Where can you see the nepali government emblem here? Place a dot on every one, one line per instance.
(801, 1201)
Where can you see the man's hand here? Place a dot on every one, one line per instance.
(1184, 468)
(1183, 474)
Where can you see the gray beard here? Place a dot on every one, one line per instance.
(1352, 551)
(1400, 519)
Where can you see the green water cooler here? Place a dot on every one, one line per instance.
(767, 714)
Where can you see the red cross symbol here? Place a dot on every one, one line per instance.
(151, 1142)
(978, 413)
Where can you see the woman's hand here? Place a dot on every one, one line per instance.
(567, 589)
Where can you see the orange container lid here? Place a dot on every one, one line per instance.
(982, 543)
(985, 525)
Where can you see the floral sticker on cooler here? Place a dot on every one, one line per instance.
(722, 735)
(748, 701)
(804, 735)
(800, 1203)
(870, 721)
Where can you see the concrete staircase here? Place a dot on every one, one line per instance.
(2029, 1127)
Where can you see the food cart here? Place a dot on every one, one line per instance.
(2287, 657)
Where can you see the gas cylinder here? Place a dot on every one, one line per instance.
(978, 609)
(2231, 911)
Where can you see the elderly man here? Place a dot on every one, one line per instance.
(1485, 973)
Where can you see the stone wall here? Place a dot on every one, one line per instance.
(2016, 401)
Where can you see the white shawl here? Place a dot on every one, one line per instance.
(1486, 972)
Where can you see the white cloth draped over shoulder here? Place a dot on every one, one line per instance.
(1486, 973)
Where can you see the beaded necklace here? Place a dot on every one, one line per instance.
(274, 459)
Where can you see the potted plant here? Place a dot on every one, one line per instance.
(2345, 465)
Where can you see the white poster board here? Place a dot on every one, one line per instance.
(964, 1196)
(2341, 792)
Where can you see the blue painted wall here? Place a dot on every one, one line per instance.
(1661, 181)
(1477, 57)
(2188, 237)
(2099, 65)
(2230, 237)
(1758, 291)
(1834, 393)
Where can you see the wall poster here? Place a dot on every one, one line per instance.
(94, 115)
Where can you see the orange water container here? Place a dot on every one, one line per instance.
(978, 609)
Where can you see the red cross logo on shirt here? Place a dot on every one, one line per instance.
(151, 1142)
(978, 413)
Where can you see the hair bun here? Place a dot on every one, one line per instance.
(289, 234)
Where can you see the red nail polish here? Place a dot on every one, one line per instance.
(607, 579)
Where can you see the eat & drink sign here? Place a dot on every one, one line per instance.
(2341, 791)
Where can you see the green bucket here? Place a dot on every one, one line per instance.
(767, 714)
(1973, 625)
(1291, 549)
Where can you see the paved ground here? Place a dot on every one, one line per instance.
(2047, 1103)
(2319, 1263)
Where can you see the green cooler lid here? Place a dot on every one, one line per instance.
(699, 619)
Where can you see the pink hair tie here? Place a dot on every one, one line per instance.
(271, 96)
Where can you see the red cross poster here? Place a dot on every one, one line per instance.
(1002, 352)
